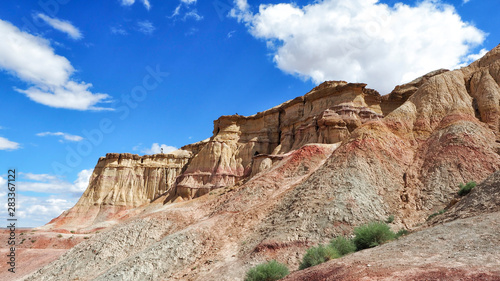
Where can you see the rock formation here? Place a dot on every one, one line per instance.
(293, 176)
(120, 183)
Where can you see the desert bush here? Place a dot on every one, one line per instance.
(465, 189)
(402, 232)
(390, 219)
(372, 234)
(59, 235)
(269, 271)
(436, 214)
(343, 245)
(317, 255)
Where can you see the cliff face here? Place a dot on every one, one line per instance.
(327, 114)
(121, 182)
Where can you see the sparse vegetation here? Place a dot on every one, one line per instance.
(269, 271)
(372, 234)
(343, 245)
(390, 219)
(86, 237)
(33, 241)
(72, 231)
(402, 232)
(436, 214)
(318, 255)
(59, 235)
(466, 189)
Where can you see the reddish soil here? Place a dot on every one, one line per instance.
(34, 249)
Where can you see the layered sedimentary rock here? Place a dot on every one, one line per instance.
(327, 114)
(123, 181)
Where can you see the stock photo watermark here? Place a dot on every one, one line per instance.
(11, 220)
(94, 137)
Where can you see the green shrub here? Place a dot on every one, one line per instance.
(390, 219)
(59, 235)
(372, 234)
(343, 245)
(402, 232)
(269, 271)
(436, 214)
(465, 189)
(317, 255)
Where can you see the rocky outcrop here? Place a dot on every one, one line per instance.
(121, 182)
(327, 114)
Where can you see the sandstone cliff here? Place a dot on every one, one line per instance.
(120, 183)
(293, 176)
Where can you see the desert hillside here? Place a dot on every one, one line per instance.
(270, 185)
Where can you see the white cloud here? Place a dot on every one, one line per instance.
(465, 1)
(39, 177)
(146, 27)
(156, 148)
(193, 14)
(362, 40)
(118, 30)
(176, 12)
(33, 211)
(65, 136)
(46, 183)
(32, 59)
(146, 3)
(36, 211)
(81, 183)
(6, 144)
(189, 14)
(62, 25)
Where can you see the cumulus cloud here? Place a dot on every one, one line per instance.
(146, 27)
(33, 211)
(46, 183)
(362, 40)
(36, 211)
(62, 25)
(64, 136)
(6, 144)
(156, 148)
(146, 3)
(32, 59)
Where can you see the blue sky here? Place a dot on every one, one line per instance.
(80, 79)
